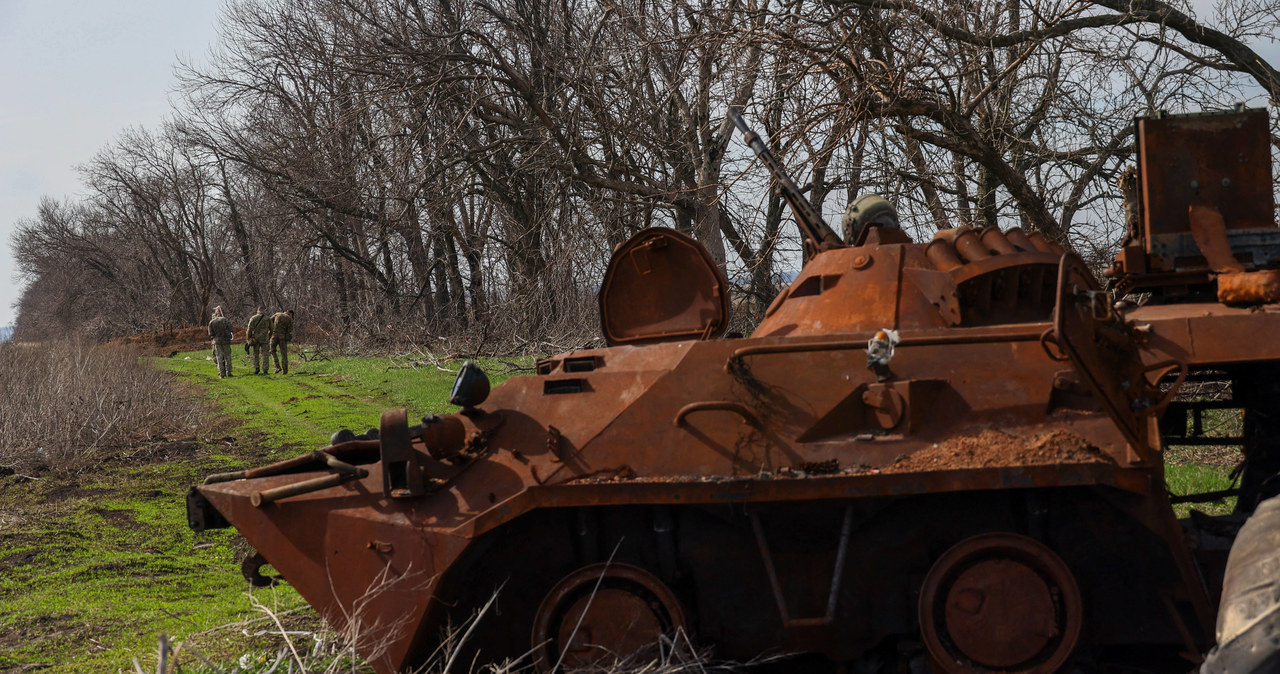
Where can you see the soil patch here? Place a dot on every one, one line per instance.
(61, 628)
(63, 492)
(180, 449)
(118, 518)
(991, 448)
(169, 450)
(17, 559)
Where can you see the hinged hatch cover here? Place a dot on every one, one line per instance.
(661, 286)
(1105, 351)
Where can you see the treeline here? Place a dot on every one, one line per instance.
(434, 168)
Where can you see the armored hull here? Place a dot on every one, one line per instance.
(944, 455)
(772, 494)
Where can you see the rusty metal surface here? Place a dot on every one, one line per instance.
(945, 451)
(1103, 349)
(661, 285)
(1210, 233)
(1249, 288)
(786, 489)
(1000, 602)
(1222, 161)
(1205, 334)
(790, 419)
(1211, 284)
(601, 610)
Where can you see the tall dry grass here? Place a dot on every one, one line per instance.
(296, 649)
(64, 405)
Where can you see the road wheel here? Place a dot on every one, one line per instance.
(601, 613)
(1000, 602)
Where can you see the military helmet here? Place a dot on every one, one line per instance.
(866, 210)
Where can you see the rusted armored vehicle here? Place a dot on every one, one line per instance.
(927, 457)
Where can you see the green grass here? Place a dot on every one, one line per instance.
(318, 397)
(1199, 469)
(93, 567)
(1192, 478)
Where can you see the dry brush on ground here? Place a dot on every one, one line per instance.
(64, 404)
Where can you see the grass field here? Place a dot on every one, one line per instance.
(322, 394)
(95, 566)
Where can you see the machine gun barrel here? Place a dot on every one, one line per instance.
(807, 217)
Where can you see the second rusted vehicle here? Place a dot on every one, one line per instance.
(941, 455)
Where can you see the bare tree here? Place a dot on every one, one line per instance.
(468, 167)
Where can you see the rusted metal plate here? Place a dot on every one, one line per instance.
(1098, 343)
(662, 285)
(1216, 160)
(1210, 233)
(1204, 334)
(1000, 602)
(672, 491)
(602, 610)
(792, 489)
(866, 277)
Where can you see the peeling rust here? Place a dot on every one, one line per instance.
(1249, 288)
(988, 496)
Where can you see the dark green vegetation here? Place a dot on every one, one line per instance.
(94, 565)
(1199, 470)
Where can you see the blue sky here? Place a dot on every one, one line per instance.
(73, 75)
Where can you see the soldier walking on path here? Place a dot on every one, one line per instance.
(281, 335)
(257, 336)
(220, 333)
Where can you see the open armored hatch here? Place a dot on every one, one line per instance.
(662, 286)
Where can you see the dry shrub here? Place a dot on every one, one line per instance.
(64, 405)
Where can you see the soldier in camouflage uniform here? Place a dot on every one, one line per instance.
(220, 333)
(257, 336)
(281, 335)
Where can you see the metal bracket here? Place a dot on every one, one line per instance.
(836, 573)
